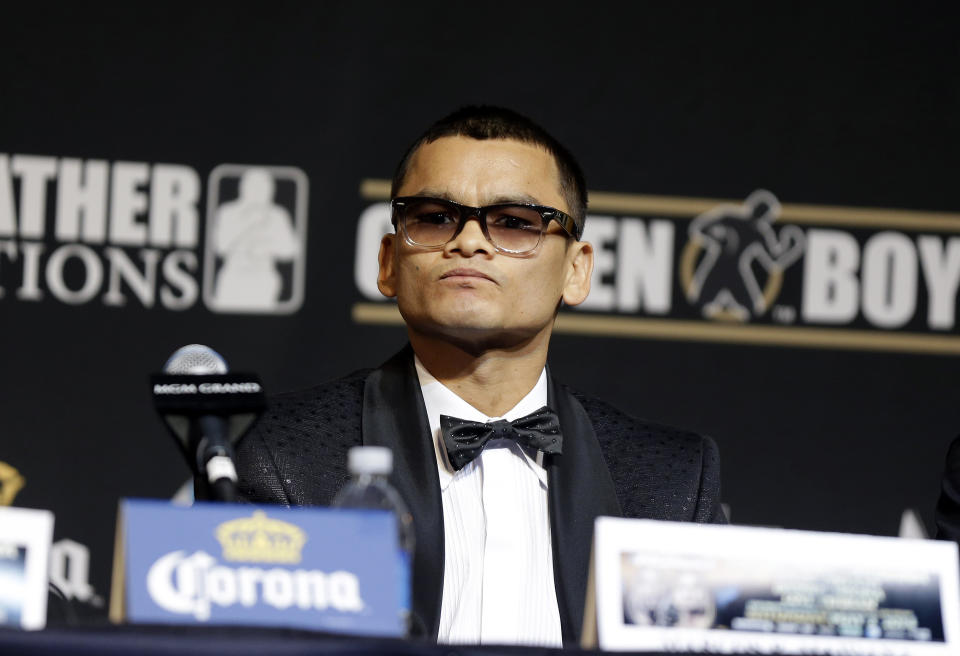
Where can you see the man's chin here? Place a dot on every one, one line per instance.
(463, 326)
(471, 332)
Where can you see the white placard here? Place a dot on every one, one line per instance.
(675, 586)
(25, 537)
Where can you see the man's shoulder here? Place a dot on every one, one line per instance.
(659, 471)
(295, 452)
(326, 402)
(613, 425)
(333, 407)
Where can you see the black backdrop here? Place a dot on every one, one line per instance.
(822, 104)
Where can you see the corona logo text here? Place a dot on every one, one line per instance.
(192, 584)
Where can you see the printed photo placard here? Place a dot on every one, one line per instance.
(25, 537)
(676, 586)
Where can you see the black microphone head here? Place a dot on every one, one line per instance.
(195, 360)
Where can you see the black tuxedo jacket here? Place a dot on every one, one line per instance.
(612, 464)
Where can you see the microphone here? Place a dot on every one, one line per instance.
(207, 409)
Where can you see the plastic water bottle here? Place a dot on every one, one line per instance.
(369, 489)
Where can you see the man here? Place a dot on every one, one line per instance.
(488, 210)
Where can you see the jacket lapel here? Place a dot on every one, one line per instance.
(580, 490)
(394, 416)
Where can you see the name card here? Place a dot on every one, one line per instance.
(314, 568)
(674, 586)
(25, 537)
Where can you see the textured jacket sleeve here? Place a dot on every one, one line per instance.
(258, 471)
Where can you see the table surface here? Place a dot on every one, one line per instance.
(103, 639)
(156, 640)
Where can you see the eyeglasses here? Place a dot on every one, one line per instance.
(512, 228)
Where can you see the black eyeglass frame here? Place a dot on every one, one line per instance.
(548, 214)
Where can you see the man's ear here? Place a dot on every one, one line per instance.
(386, 278)
(579, 264)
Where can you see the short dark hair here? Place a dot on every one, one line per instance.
(487, 122)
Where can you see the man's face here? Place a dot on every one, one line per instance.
(467, 290)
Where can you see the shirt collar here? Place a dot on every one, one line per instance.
(441, 400)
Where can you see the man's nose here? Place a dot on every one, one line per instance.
(470, 240)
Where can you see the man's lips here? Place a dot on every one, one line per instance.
(466, 273)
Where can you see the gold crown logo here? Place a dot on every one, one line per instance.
(11, 482)
(261, 539)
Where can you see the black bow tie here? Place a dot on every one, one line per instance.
(465, 440)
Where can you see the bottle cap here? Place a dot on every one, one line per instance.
(370, 460)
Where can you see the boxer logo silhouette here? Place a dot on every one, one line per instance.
(732, 266)
(255, 241)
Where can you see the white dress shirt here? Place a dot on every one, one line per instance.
(498, 585)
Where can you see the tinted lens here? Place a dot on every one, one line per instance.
(430, 222)
(514, 227)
